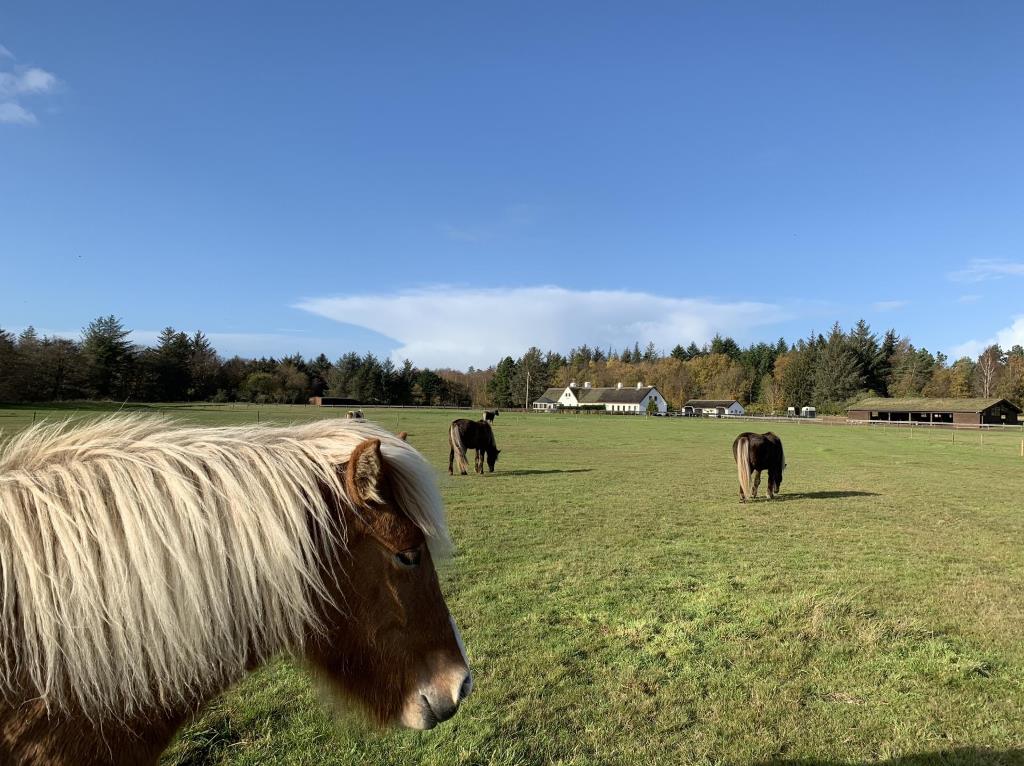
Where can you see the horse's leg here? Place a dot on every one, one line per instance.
(451, 460)
(479, 462)
(757, 483)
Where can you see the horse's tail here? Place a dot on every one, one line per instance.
(455, 439)
(743, 464)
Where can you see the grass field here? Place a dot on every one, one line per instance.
(620, 606)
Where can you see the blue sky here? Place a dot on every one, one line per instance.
(451, 181)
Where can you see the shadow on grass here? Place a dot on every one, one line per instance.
(961, 756)
(539, 472)
(825, 495)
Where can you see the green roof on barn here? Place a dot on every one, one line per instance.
(925, 404)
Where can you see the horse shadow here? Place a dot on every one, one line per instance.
(539, 472)
(961, 756)
(825, 495)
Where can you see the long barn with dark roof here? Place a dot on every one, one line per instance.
(943, 411)
(618, 399)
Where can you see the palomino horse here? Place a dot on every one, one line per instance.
(145, 567)
(466, 434)
(758, 452)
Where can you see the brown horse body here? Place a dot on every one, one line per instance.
(466, 434)
(754, 453)
(379, 631)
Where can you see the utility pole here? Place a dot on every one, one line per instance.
(526, 404)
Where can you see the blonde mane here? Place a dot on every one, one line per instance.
(143, 562)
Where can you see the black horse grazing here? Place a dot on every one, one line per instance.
(758, 452)
(471, 434)
(490, 415)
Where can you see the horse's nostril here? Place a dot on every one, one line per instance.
(467, 687)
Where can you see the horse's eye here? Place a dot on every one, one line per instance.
(409, 558)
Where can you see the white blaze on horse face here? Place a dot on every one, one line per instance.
(466, 686)
(439, 697)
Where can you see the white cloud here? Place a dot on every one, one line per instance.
(889, 305)
(983, 269)
(31, 80)
(1007, 338)
(969, 298)
(18, 83)
(450, 326)
(15, 114)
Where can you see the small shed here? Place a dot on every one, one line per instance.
(808, 412)
(943, 411)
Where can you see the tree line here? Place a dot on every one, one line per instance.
(828, 372)
(104, 364)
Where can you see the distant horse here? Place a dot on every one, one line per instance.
(490, 415)
(403, 435)
(466, 434)
(758, 452)
(355, 415)
(145, 567)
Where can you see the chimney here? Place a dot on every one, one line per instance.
(586, 384)
(639, 384)
(573, 384)
(618, 385)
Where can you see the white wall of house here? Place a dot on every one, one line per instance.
(659, 400)
(734, 409)
(568, 398)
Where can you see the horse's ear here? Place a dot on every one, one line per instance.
(364, 474)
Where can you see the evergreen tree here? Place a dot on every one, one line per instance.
(108, 357)
(499, 389)
(837, 375)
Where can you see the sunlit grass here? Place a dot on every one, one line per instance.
(620, 606)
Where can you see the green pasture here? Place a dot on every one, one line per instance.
(620, 606)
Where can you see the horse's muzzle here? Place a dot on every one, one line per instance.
(436, 703)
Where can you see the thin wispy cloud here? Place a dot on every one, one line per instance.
(889, 305)
(510, 220)
(446, 326)
(18, 83)
(969, 298)
(15, 114)
(984, 269)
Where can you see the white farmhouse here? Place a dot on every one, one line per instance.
(620, 399)
(714, 408)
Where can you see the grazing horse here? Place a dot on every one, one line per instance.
(466, 434)
(758, 452)
(145, 567)
(490, 415)
(355, 415)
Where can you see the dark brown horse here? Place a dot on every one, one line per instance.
(756, 453)
(466, 434)
(490, 415)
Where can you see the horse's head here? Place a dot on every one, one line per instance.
(389, 642)
(492, 457)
